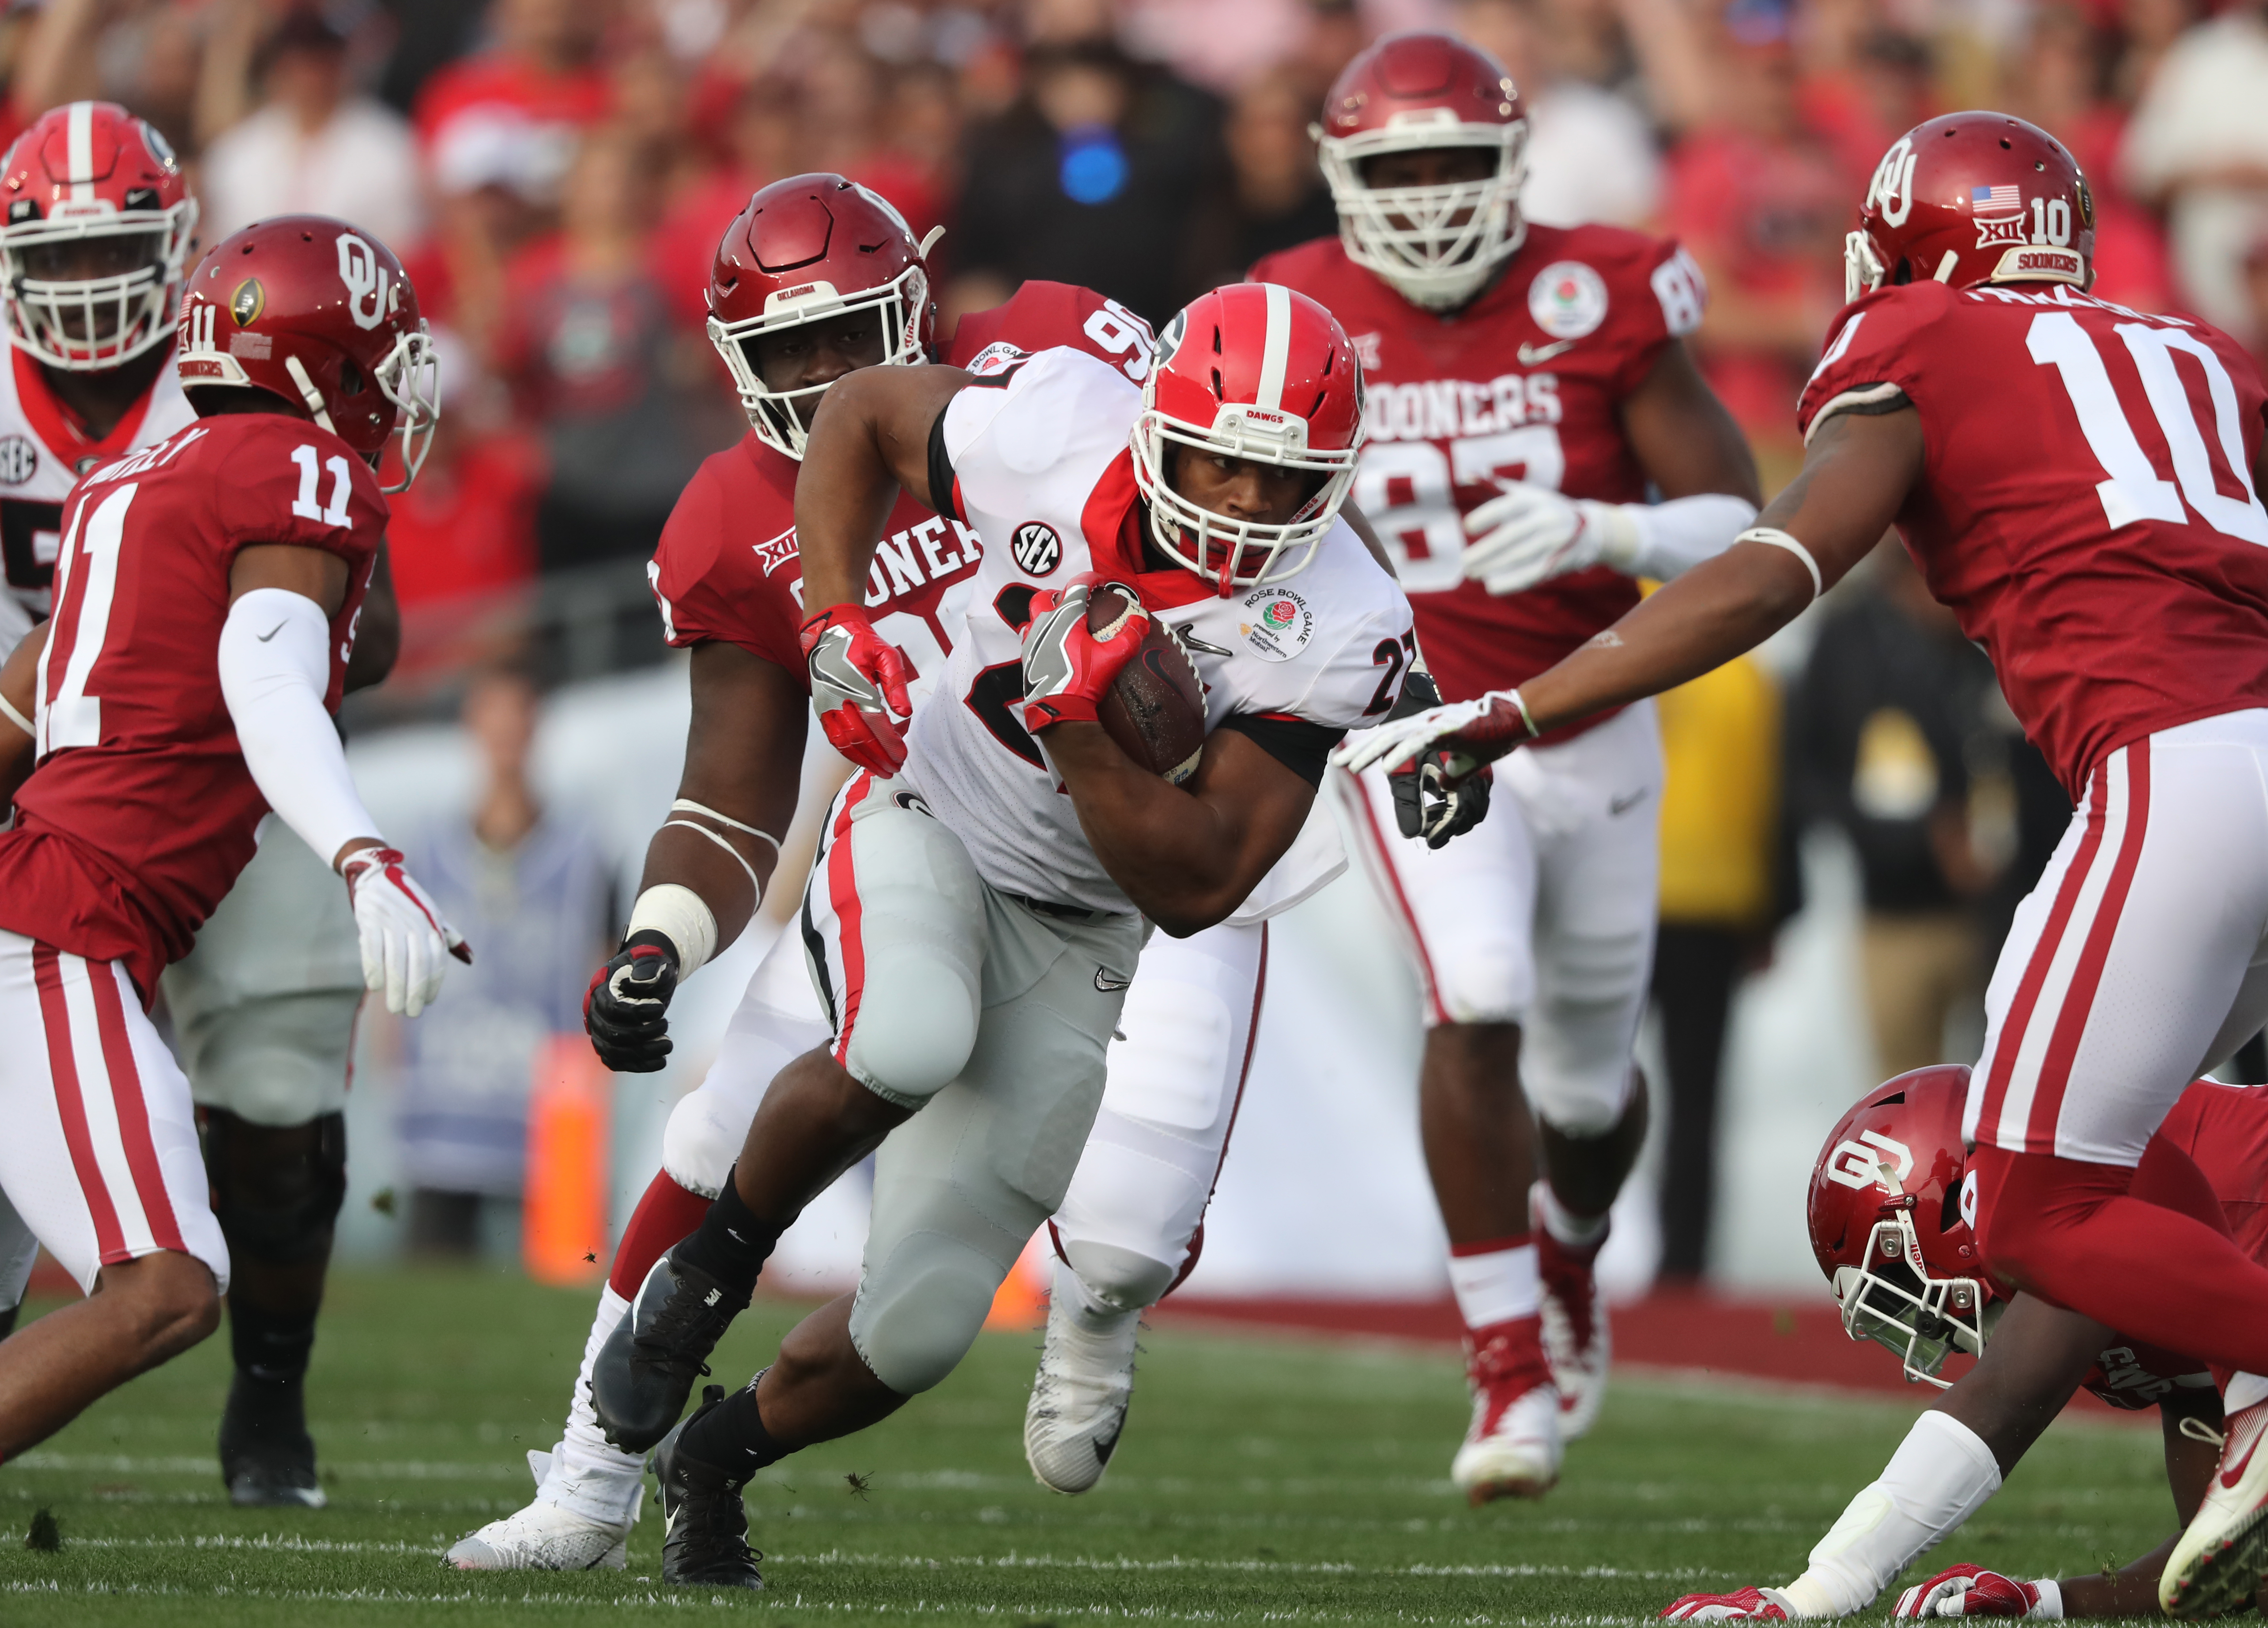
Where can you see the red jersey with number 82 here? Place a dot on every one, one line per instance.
(140, 811)
(2086, 507)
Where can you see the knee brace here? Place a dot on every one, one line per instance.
(1115, 1280)
(701, 1139)
(276, 1190)
(1490, 982)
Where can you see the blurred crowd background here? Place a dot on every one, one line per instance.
(556, 172)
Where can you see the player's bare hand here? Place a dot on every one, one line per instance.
(1972, 1591)
(1468, 733)
(1068, 667)
(1531, 533)
(1744, 1605)
(405, 942)
(858, 687)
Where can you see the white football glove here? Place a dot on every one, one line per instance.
(1482, 731)
(1532, 534)
(403, 938)
(1745, 1605)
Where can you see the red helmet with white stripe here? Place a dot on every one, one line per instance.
(1971, 198)
(1892, 1213)
(1258, 371)
(95, 222)
(807, 249)
(1407, 93)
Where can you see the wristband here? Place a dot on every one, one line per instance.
(8, 710)
(1771, 536)
(1525, 719)
(682, 917)
(2050, 1604)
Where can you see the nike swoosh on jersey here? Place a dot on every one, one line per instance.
(1195, 643)
(1531, 355)
(1108, 985)
(1621, 804)
(271, 633)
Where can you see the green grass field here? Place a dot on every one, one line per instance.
(1260, 1480)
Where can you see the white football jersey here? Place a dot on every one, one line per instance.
(41, 457)
(1043, 471)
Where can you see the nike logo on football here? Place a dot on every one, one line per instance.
(1622, 805)
(271, 633)
(1531, 355)
(1108, 985)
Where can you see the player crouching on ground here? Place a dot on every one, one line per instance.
(205, 596)
(1893, 1198)
(976, 914)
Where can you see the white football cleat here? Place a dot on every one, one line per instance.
(544, 1537)
(2219, 1562)
(1577, 1340)
(1078, 1401)
(1512, 1449)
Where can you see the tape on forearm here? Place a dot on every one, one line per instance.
(684, 917)
(1940, 1475)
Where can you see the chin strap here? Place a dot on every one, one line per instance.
(309, 393)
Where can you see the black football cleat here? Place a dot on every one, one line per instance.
(646, 1369)
(266, 1458)
(704, 1528)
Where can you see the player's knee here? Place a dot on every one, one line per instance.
(1486, 982)
(1118, 1279)
(701, 1141)
(912, 1325)
(277, 1189)
(174, 1299)
(916, 1026)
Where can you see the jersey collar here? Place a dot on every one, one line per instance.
(1113, 521)
(59, 429)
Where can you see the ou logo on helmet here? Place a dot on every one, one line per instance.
(1862, 1163)
(366, 280)
(1892, 188)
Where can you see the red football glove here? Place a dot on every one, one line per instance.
(1066, 669)
(1747, 1605)
(1972, 1591)
(858, 681)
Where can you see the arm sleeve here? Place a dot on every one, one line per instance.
(275, 664)
(1940, 1475)
(1674, 537)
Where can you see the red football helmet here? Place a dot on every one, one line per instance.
(806, 249)
(1252, 370)
(315, 311)
(98, 225)
(1410, 91)
(1892, 1212)
(1970, 198)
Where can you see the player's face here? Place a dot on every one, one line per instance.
(1429, 166)
(1241, 489)
(812, 354)
(81, 260)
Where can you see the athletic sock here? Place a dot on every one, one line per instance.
(732, 1437)
(1495, 1280)
(666, 1213)
(1569, 1230)
(731, 1244)
(590, 1476)
(271, 1349)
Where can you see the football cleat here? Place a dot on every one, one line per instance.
(1575, 1339)
(704, 1528)
(267, 1458)
(646, 1369)
(1513, 1447)
(2218, 1564)
(544, 1537)
(1078, 1401)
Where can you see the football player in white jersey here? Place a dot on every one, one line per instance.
(977, 910)
(97, 226)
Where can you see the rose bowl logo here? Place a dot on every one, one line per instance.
(1282, 613)
(1036, 548)
(1567, 299)
(1277, 623)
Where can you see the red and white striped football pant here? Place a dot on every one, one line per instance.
(100, 1156)
(2141, 958)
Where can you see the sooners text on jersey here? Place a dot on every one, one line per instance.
(140, 811)
(2086, 507)
(42, 454)
(727, 567)
(1524, 384)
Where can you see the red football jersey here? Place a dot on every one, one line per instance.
(140, 811)
(2086, 507)
(727, 569)
(1524, 384)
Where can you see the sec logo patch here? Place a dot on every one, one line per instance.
(20, 460)
(1567, 299)
(1277, 623)
(1037, 550)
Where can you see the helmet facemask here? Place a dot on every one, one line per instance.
(1436, 245)
(89, 323)
(410, 378)
(1232, 554)
(776, 416)
(1893, 1302)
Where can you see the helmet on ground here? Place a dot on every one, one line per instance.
(1252, 370)
(807, 249)
(95, 222)
(1970, 198)
(320, 313)
(1892, 1213)
(1437, 246)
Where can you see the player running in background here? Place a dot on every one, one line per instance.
(263, 1008)
(1890, 1201)
(1528, 385)
(206, 591)
(2078, 483)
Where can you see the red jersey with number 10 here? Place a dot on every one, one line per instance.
(2086, 505)
(140, 811)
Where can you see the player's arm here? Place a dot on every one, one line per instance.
(19, 689)
(1855, 477)
(871, 437)
(2191, 1461)
(707, 868)
(274, 668)
(377, 631)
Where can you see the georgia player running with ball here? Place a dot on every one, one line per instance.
(1527, 383)
(1892, 1197)
(2079, 484)
(205, 595)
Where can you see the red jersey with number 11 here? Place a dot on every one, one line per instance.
(140, 811)
(2086, 505)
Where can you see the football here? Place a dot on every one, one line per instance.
(1155, 710)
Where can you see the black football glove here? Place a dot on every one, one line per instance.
(626, 1009)
(1437, 795)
